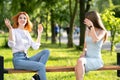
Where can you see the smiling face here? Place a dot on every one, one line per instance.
(22, 20)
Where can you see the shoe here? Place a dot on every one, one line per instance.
(32, 78)
(35, 77)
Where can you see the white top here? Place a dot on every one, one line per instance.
(22, 41)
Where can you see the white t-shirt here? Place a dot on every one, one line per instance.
(22, 41)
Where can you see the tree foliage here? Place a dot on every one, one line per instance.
(112, 24)
(49, 12)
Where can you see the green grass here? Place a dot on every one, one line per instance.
(61, 56)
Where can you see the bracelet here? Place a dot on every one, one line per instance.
(89, 27)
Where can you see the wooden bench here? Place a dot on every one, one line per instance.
(61, 69)
(55, 69)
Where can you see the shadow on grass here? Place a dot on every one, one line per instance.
(112, 64)
(8, 60)
(62, 76)
(61, 58)
(63, 48)
(66, 76)
(49, 45)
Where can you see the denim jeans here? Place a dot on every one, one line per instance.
(35, 63)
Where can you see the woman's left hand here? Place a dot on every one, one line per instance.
(40, 28)
(88, 22)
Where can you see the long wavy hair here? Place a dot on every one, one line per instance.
(97, 22)
(28, 25)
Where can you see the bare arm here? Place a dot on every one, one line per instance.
(95, 36)
(84, 48)
(40, 29)
(84, 51)
(7, 23)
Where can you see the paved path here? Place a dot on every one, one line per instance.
(106, 45)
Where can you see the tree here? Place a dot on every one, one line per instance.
(84, 7)
(57, 14)
(72, 17)
(4, 12)
(112, 23)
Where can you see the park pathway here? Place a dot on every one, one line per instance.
(106, 45)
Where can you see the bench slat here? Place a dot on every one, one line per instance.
(48, 69)
(61, 69)
(111, 67)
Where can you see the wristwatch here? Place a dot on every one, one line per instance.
(89, 27)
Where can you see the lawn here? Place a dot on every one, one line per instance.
(60, 56)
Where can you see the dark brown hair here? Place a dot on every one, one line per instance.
(97, 22)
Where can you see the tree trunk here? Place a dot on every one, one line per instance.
(72, 18)
(46, 33)
(82, 26)
(87, 6)
(53, 41)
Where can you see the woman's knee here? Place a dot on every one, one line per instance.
(41, 66)
(79, 65)
(46, 51)
(80, 62)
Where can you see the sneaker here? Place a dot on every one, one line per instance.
(35, 77)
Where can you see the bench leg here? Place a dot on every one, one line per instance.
(118, 63)
(1, 68)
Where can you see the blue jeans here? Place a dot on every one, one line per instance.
(35, 63)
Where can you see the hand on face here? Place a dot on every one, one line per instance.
(7, 23)
(40, 28)
(88, 22)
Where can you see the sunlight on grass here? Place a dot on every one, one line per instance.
(60, 56)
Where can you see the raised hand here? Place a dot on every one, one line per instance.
(40, 28)
(88, 22)
(7, 23)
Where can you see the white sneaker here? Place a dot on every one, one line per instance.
(33, 78)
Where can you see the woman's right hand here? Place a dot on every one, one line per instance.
(40, 28)
(82, 55)
(88, 22)
(7, 23)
